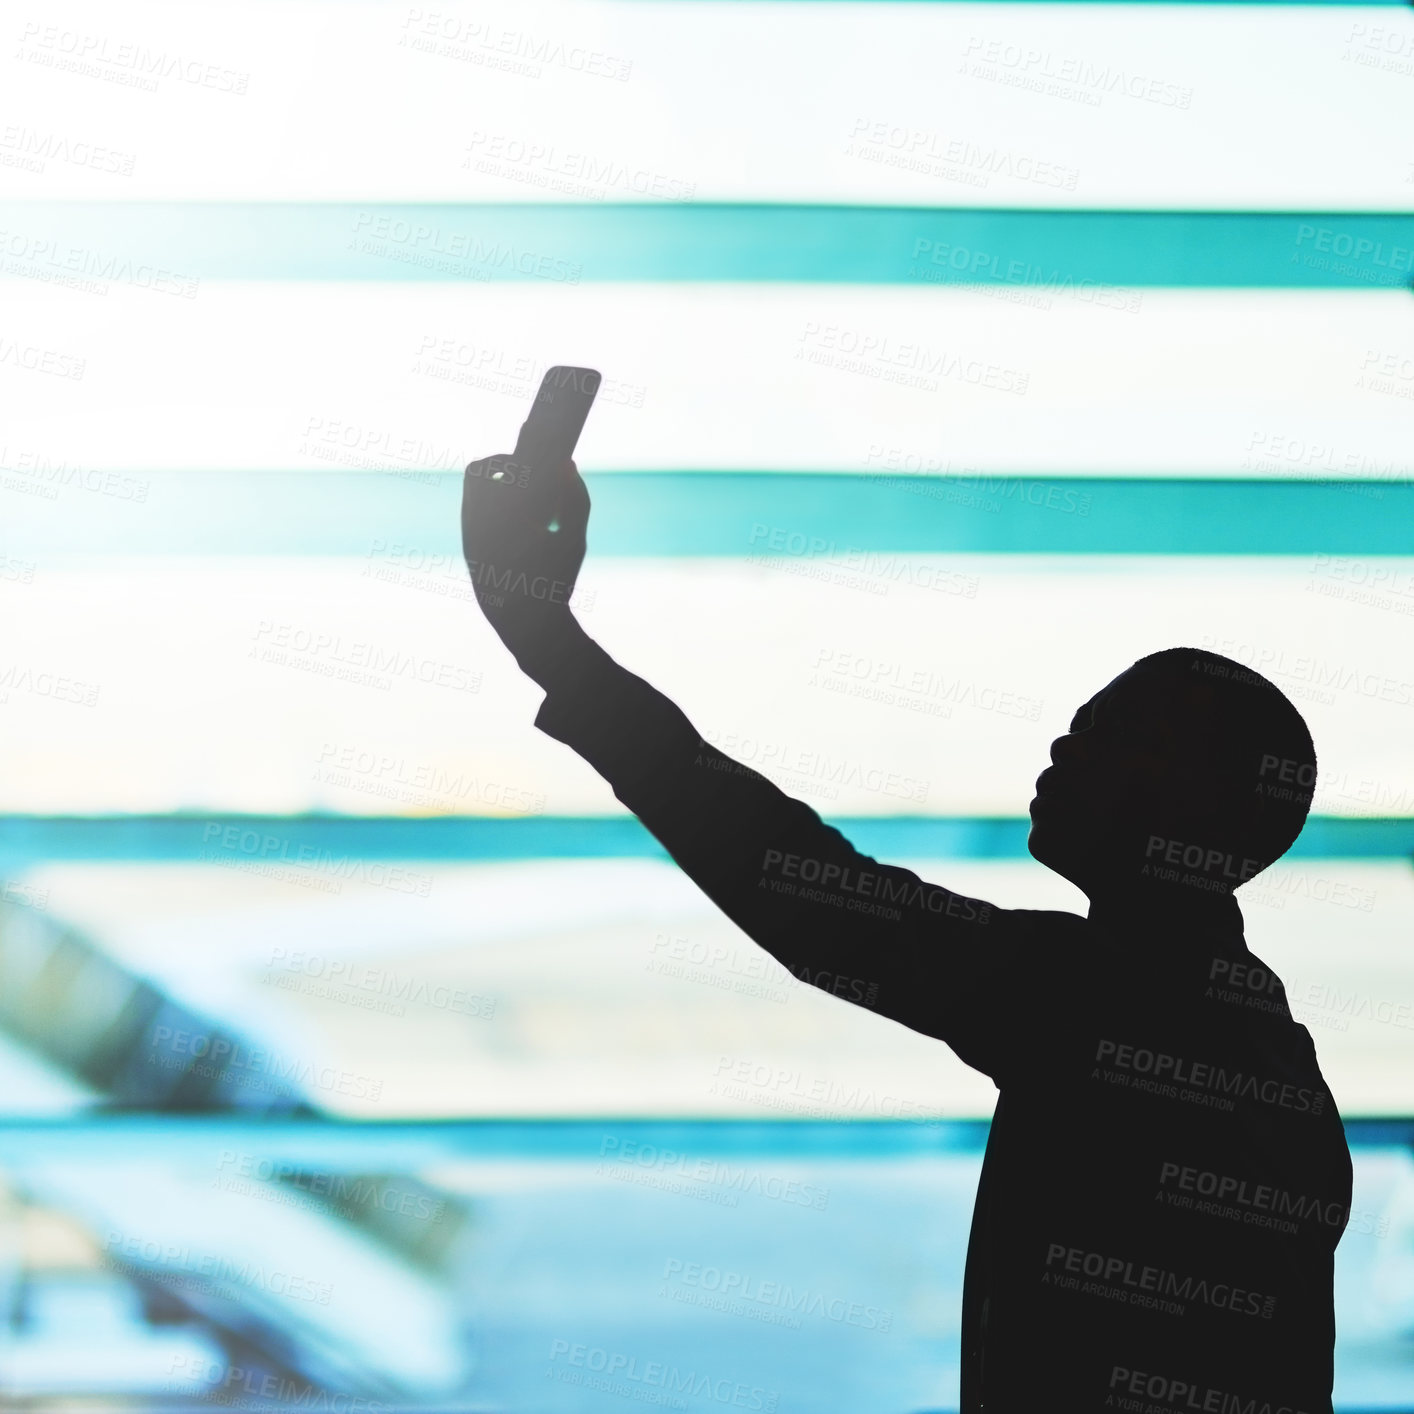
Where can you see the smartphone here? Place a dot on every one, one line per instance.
(557, 416)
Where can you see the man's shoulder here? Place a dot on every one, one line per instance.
(1043, 964)
(1045, 922)
(1049, 938)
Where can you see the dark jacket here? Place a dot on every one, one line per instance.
(1166, 1175)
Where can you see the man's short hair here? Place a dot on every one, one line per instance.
(1252, 735)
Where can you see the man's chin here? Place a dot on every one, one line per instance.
(1056, 839)
(1043, 842)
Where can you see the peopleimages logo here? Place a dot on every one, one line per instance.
(258, 1175)
(1194, 856)
(1147, 1286)
(1261, 1204)
(258, 1389)
(911, 893)
(1396, 258)
(1066, 75)
(1174, 1072)
(653, 1381)
(732, 1179)
(1183, 1395)
(743, 1290)
(177, 1264)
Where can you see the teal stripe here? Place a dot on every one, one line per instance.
(410, 521)
(1064, 254)
(322, 842)
(394, 1145)
(384, 1145)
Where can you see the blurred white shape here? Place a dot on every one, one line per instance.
(408, 376)
(958, 104)
(861, 694)
(614, 987)
(348, 1303)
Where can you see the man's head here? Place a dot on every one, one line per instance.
(1187, 767)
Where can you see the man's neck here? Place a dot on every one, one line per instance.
(1180, 910)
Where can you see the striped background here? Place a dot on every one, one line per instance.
(955, 355)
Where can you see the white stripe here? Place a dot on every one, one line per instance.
(1034, 105)
(768, 377)
(288, 686)
(621, 959)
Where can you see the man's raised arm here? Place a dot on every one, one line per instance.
(873, 934)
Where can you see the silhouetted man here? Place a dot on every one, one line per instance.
(1166, 1176)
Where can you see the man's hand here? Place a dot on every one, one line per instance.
(523, 535)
